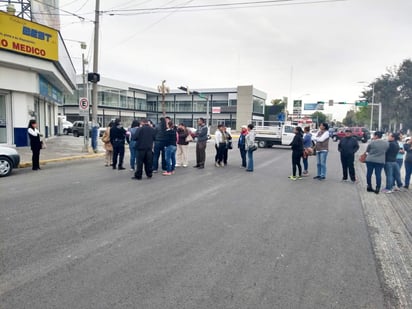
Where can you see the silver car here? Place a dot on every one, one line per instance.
(9, 159)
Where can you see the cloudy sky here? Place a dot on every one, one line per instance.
(308, 49)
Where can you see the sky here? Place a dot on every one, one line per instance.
(302, 49)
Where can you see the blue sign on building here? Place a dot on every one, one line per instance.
(310, 106)
(49, 91)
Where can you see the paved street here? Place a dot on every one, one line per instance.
(80, 235)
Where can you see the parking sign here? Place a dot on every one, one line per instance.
(84, 106)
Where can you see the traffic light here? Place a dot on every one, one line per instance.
(93, 77)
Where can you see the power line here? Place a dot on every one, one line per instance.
(247, 4)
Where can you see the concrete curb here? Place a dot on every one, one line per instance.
(43, 162)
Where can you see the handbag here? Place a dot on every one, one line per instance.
(43, 144)
(253, 148)
(189, 138)
(308, 151)
(362, 157)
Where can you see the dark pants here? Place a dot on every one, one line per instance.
(296, 155)
(220, 153)
(35, 159)
(347, 164)
(243, 155)
(370, 168)
(144, 157)
(159, 149)
(118, 151)
(201, 153)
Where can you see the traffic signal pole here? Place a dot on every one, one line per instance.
(95, 70)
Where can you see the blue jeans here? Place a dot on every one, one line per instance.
(321, 157)
(249, 160)
(132, 147)
(158, 149)
(377, 167)
(393, 175)
(305, 163)
(408, 172)
(170, 154)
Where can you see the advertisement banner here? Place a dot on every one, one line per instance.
(25, 37)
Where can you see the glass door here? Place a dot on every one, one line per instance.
(3, 122)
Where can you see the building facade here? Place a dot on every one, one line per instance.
(35, 73)
(233, 107)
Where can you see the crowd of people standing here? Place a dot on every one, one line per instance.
(169, 143)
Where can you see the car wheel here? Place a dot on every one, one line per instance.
(6, 166)
(76, 134)
(261, 144)
(65, 132)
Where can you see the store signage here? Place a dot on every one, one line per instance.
(25, 37)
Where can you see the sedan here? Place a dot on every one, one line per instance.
(9, 159)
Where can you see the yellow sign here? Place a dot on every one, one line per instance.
(25, 37)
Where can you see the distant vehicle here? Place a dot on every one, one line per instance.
(78, 128)
(67, 127)
(274, 133)
(9, 159)
(361, 133)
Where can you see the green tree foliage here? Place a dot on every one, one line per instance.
(272, 111)
(360, 118)
(394, 91)
(318, 117)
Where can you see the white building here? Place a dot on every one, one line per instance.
(233, 107)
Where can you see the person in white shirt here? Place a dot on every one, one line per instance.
(35, 144)
(322, 149)
(220, 145)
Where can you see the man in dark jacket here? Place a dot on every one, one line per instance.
(347, 147)
(117, 139)
(144, 137)
(159, 144)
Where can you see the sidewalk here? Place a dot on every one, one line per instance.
(389, 220)
(59, 149)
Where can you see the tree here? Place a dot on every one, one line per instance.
(272, 111)
(318, 117)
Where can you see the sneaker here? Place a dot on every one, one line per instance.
(222, 165)
(172, 172)
(305, 173)
(386, 191)
(154, 171)
(316, 177)
(292, 177)
(406, 187)
(398, 189)
(345, 180)
(184, 165)
(299, 178)
(321, 178)
(217, 164)
(132, 169)
(166, 173)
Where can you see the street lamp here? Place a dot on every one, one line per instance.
(373, 103)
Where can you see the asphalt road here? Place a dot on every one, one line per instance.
(80, 235)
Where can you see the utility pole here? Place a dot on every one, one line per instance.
(95, 70)
(163, 89)
(85, 95)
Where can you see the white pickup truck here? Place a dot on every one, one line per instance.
(274, 133)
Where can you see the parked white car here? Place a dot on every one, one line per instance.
(9, 159)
